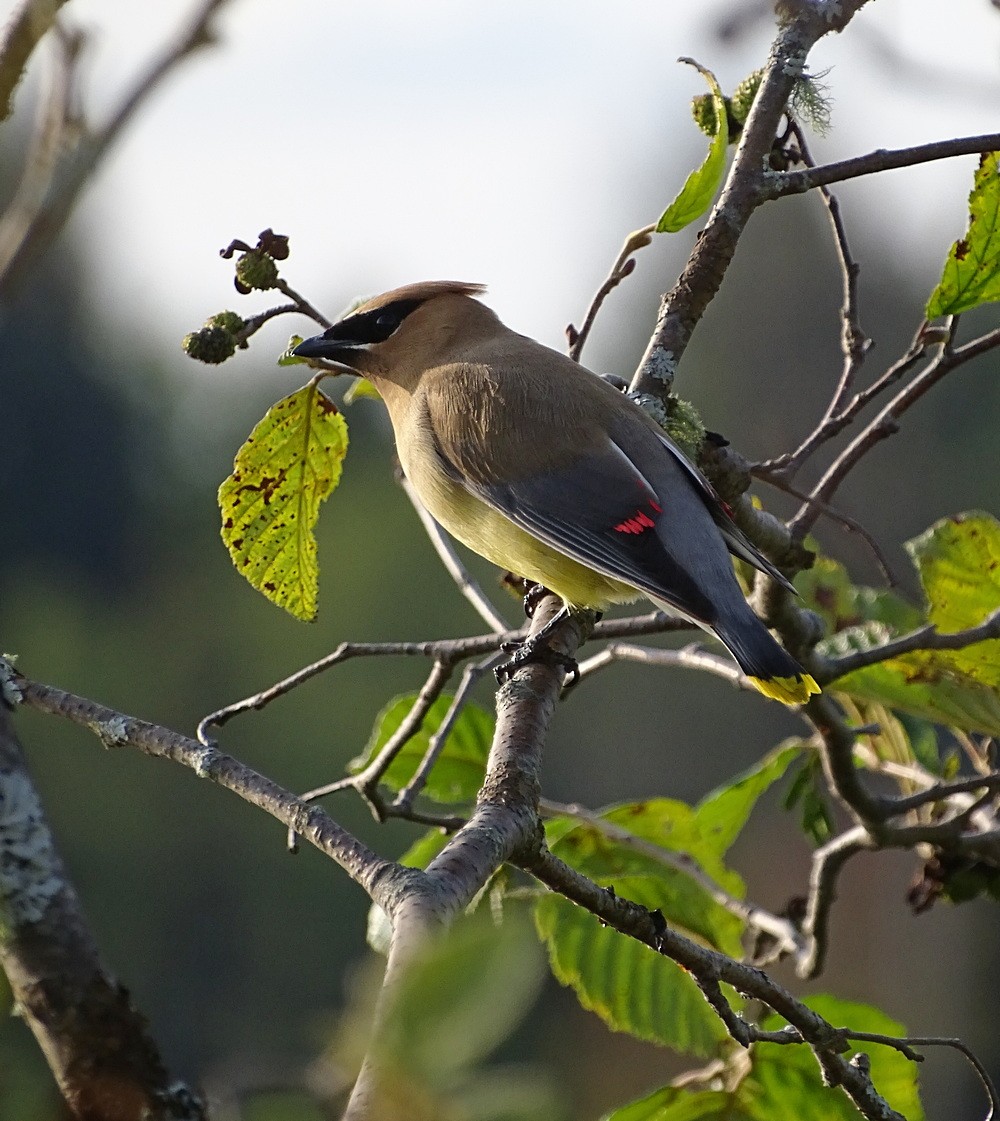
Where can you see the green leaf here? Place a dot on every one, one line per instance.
(424, 849)
(808, 790)
(671, 1103)
(289, 465)
(826, 588)
(654, 825)
(971, 273)
(723, 813)
(459, 770)
(702, 184)
(450, 1010)
(631, 987)
(958, 559)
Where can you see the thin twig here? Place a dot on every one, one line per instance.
(368, 779)
(853, 340)
(403, 802)
(688, 657)
(797, 182)
(301, 303)
(827, 863)
(887, 422)
(924, 638)
(453, 650)
(832, 425)
(852, 525)
(624, 265)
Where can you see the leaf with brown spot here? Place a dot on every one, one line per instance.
(286, 468)
(971, 273)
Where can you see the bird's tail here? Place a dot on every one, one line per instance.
(765, 662)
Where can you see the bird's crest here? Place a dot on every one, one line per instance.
(419, 292)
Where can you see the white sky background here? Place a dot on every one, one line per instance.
(397, 140)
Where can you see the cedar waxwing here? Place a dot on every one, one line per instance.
(547, 470)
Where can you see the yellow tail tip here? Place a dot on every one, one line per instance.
(789, 690)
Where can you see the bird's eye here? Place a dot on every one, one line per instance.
(388, 321)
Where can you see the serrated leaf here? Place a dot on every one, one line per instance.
(971, 273)
(654, 825)
(288, 466)
(631, 987)
(701, 185)
(459, 770)
(723, 813)
(672, 1103)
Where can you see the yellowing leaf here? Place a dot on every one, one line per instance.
(972, 271)
(289, 464)
(361, 387)
(701, 185)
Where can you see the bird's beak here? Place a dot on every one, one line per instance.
(343, 351)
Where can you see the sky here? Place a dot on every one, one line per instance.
(513, 144)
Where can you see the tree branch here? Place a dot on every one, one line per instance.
(709, 967)
(21, 35)
(924, 638)
(882, 159)
(94, 1039)
(886, 422)
(682, 307)
(115, 729)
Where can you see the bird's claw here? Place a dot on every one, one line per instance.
(533, 596)
(526, 651)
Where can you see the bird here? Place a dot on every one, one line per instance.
(552, 473)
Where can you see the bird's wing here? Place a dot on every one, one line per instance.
(600, 510)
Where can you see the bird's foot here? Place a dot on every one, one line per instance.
(535, 649)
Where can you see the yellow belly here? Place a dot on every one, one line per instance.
(487, 532)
